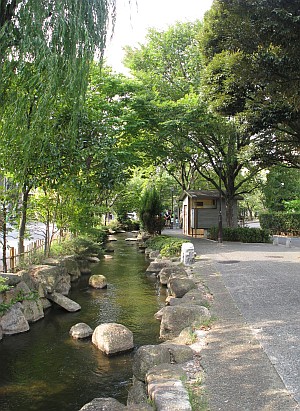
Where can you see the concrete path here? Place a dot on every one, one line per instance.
(252, 359)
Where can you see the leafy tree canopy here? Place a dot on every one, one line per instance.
(251, 51)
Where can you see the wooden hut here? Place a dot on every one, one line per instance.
(201, 210)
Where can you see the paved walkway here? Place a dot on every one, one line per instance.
(252, 359)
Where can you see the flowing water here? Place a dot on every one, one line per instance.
(46, 370)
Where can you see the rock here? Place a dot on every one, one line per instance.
(176, 318)
(103, 404)
(33, 308)
(186, 337)
(195, 297)
(32, 282)
(11, 279)
(153, 255)
(140, 407)
(167, 272)
(148, 356)
(179, 287)
(112, 238)
(112, 338)
(143, 236)
(93, 259)
(108, 257)
(98, 281)
(134, 239)
(71, 267)
(84, 266)
(51, 261)
(52, 278)
(192, 297)
(81, 330)
(158, 315)
(157, 265)
(166, 389)
(14, 321)
(64, 302)
(45, 303)
(137, 393)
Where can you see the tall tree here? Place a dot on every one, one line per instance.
(185, 136)
(251, 51)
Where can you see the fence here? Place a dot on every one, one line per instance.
(14, 259)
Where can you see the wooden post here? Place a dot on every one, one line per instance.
(12, 259)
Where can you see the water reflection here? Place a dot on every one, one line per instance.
(45, 369)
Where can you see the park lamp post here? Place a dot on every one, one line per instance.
(220, 230)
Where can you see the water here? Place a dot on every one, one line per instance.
(46, 370)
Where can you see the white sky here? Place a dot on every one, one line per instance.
(133, 21)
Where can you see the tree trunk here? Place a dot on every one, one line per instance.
(229, 200)
(4, 238)
(229, 211)
(25, 195)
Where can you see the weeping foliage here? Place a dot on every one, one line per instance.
(58, 39)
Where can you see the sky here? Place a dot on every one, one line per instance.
(133, 21)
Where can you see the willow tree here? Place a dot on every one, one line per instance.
(45, 47)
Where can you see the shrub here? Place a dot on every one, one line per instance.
(167, 246)
(242, 234)
(281, 222)
(77, 245)
(150, 211)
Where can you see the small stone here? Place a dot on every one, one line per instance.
(81, 330)
(98, 281)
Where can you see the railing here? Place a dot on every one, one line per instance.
(14, 258)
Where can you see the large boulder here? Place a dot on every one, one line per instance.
(174, 271)
(166, 388)
(52, 278)
(98, 281)
(84, 265)
(112, 338)
(32, 306)
(11, 279)
(148, 356)
(71, 267)
(192, 297)
(64, 302)
(178, 287)
(14, 321)
(137, 393)
(157, 265)
(103, 404)
(176, 318)
(80, 331)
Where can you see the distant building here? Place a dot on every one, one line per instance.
(201, 209)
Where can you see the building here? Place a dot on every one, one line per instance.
(201, 210)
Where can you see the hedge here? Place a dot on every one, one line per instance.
(281, 223)
(167, 246)
(242, 234)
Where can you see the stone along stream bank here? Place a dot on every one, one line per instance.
(45, 369)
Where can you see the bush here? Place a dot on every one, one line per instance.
(77, 245)
(130, 225)
(281, 222)
(242, 234)
(167, 246)
(150, 211)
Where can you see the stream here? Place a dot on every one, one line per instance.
(46, 370)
